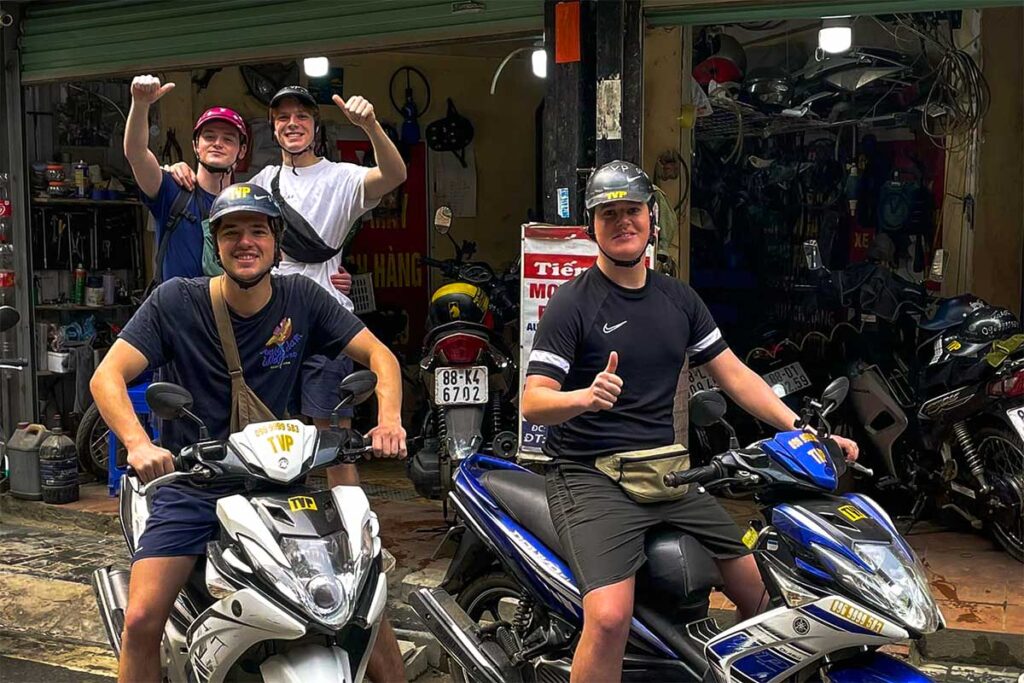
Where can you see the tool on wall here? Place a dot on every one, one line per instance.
(409, 109)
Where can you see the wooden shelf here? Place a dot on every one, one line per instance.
(78, 307)
(61, 201)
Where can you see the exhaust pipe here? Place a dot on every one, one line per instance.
(460, 637)
(111, 589)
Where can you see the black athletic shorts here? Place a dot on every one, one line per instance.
(602, 529)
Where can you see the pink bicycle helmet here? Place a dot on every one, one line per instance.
(229, 116)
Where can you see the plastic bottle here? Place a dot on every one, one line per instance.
(6, 248)
(78, 291)
(81, 180)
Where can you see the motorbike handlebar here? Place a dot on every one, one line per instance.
(13, 363)
(697, 475)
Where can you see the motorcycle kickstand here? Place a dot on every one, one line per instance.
(915, 514)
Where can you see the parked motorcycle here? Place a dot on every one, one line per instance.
(842, 581)
(293, 587)
(467, 368)
(935, 402)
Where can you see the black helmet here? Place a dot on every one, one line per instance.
(299, 93)
(620, 181)
(252, 198)
(989, 324)
(974, 336)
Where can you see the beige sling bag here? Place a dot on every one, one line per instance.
(246, 407)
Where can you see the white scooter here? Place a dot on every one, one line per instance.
(293, 588)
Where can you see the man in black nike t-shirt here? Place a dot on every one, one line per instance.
(602, 374)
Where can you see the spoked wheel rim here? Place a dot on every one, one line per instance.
(99, 444)
(498, 603)
(1004, 465)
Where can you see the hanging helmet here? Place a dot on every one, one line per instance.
(228, 116)
(726, 65)
(247, 197)
(882, 249)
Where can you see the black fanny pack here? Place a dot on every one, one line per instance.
(301, 242)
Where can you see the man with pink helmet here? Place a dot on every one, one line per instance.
(219, 140)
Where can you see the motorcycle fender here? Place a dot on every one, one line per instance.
(472, 558)
(464, 424)
(307, 663)
(882, 417)
(231, 626)
(875, 667)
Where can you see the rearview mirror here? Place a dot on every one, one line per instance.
(9, 317)
(707, 407)
(812, 256)
(938, 267)
(443, 220)
(357, 387)
(835, 393)
(168, 401)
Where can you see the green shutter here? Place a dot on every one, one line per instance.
(711, 12)
(80, 39)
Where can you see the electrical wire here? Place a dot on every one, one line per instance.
(102, 97)
(960, 88)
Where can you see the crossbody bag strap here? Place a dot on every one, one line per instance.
(225, 331)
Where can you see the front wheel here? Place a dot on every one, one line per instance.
(1002, 452)
(487, 599)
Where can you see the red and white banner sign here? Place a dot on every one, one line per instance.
(551, 256)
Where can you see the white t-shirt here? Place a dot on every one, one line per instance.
(329, 195)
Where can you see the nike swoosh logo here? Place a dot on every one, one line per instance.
(608, 329)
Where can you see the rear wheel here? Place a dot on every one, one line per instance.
(1003, 454)
(487, 599)
(92, 442)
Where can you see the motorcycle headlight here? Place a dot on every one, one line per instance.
(322, 578)
(896, 583)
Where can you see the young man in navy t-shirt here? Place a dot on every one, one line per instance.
(278, 322)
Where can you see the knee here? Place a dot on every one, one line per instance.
(609, 618)
(143, 623)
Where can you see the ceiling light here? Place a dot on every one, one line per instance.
(539, 58)
(836, 34)
(315, 67)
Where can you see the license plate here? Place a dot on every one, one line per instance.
(1016, 416)
(460, 386)
(700, 380)
(787, 380)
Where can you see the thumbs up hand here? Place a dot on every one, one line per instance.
(606, 387)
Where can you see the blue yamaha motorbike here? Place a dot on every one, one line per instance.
(842, 582)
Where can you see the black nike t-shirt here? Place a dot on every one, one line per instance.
(653, 329)
(175, 329)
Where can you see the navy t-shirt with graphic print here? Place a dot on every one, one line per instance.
(184, 257)
(175, 329)
(653, 329)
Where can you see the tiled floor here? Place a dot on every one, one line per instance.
(977, 586)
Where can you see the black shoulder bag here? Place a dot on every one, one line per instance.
(301, 242)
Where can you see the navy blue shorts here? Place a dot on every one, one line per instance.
(320, 378)
(182, 520)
